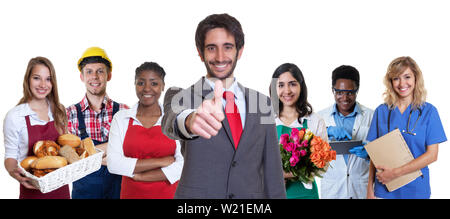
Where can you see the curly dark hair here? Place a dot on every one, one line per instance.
(150, 66)
(345, 72)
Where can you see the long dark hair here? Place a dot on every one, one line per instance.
(302, 105)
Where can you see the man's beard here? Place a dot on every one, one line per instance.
(101, 92)
(211, 73)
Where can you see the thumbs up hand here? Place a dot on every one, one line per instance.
(207, 120)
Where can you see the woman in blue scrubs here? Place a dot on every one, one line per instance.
(405, 108)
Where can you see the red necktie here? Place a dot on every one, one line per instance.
(233, 116)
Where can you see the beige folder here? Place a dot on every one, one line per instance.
(391, 151)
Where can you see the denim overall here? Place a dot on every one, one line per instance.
(100, 184)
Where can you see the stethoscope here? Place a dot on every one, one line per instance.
(407, 131)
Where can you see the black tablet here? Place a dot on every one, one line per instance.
(343, 147)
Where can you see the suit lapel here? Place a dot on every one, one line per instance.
(226, 127)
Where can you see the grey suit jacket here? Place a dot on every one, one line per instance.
(213, 168)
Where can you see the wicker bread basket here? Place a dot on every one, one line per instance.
(66, 174)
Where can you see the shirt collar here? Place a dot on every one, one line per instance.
(132, 112)
(106, 103)
(233, 88)
(26, 110)
(356, 111)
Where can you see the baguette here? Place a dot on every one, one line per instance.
(49, 162)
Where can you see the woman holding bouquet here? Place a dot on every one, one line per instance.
(405, 108)
(293, 111)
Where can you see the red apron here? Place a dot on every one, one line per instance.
(37, 133)
(143, 143)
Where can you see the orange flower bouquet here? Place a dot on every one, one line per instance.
(305, 155)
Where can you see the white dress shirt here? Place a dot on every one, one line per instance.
(118, 163)
(15, 130)
(239, 101)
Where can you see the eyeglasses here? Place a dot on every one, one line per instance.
(340, 93)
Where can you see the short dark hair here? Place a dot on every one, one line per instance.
(345, 72)
(95, 59)
(150, 66)
(302, 105)
(226, 21)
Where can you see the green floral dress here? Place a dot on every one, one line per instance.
(297, 190)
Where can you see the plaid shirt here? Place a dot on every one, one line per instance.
(97, 124)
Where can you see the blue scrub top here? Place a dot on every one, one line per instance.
(429, 131)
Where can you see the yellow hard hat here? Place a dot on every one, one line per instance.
(94, 51)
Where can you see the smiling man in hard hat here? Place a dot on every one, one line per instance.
(92, 118)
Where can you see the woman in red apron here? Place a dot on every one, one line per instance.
(38, 116)
(150, 162)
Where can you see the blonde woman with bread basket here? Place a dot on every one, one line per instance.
(38, 116)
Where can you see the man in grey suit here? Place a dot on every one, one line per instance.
(228, 138)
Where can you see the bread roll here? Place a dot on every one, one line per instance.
(49, 162)
(69, 153)
(26, 163)
(45, 148)
(88, 145)
(69, 139)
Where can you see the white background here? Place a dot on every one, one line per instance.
(318, 36)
